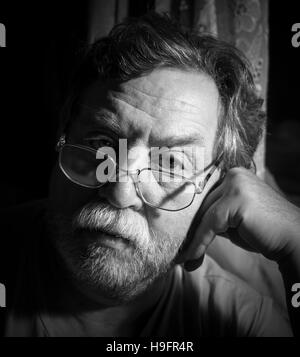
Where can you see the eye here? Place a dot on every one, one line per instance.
(170, 161)
(174, 162)
(100, 141)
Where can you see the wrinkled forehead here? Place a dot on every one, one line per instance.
(160, 94)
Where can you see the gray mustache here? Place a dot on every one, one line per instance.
(125, 223)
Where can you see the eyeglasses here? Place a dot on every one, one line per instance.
(158, 188)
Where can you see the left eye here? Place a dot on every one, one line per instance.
(99, 142)
(170, 162)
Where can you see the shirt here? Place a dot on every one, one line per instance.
(206, 302)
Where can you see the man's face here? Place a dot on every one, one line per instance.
(167, 108)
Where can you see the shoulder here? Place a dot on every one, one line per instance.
(229, 306)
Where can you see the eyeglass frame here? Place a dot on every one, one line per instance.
(135, 174)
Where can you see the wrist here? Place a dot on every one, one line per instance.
(291, 261)
(291, 253)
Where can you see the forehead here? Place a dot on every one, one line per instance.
(166, 101)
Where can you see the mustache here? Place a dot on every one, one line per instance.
(102, 217)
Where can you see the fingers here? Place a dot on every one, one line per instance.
(205, 233)
(211, 198)
(215, 193)
(222, 217)
(191, 265)
(213, 222)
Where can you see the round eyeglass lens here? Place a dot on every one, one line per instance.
(86, 167)
(165, 190)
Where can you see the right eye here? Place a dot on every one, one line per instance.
(100, 141)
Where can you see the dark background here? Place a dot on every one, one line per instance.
(283, 130)
(42, 42)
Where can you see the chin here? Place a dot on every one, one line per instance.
(115, 268)
(113, 276)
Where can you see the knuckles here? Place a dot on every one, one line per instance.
(240, 182)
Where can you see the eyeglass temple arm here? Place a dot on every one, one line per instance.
(61, 142)
(212, 170)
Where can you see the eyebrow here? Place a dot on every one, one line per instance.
(172, 141)
(108, 119)
(104, 118)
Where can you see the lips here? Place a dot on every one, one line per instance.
(113, 241)
(107, 238)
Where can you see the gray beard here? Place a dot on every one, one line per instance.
(119, 276)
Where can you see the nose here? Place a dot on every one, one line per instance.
(123, 193)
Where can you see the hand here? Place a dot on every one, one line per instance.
(250, 213)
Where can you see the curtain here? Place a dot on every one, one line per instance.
(243, 23)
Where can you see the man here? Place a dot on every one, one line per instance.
(108, 256)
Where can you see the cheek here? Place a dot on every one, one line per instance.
(66, 197)
(172, 224)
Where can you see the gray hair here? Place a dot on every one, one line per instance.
(138, 46)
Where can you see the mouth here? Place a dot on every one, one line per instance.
(110, 239)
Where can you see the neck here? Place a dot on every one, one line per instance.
(120, 319)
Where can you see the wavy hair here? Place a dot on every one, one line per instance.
(137, 46)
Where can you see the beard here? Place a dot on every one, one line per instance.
(117, 274)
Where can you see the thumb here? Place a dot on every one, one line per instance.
(211, 224)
